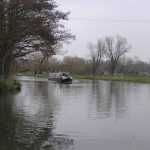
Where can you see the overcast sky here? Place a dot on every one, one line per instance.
(94, 19)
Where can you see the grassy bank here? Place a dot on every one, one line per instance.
(137, 79)
(9, 86)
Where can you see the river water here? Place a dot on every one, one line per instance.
(87, 115)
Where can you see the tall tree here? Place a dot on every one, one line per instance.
(29, 26)
(97, 52)
(115, 48)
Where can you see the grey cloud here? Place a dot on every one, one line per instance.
(129, 18)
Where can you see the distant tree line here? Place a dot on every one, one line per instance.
(83, 66)
(106, 57)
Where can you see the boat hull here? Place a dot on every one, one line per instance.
(66, 81)
(62, 81)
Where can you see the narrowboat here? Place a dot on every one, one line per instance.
(61, 77)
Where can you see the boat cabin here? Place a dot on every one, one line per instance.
(62, 77)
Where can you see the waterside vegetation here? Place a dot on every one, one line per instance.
(9, 86)
(122, 78)
(135, 79)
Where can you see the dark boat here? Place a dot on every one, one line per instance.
(61, 77)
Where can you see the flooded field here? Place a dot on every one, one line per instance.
(87, 115)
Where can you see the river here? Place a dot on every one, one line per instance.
(86, 115)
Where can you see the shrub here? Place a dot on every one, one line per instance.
(9, 86)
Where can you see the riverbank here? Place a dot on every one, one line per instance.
(30, 74)
(9, 86)
(136, 79)
(124, 78)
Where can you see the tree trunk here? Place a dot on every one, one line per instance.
(113, 68)
(93, 70)
(1, 71)
(5, 65)
(40, 65)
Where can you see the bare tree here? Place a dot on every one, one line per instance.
(97, 54)
(116, 47)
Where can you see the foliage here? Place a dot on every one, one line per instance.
(9, 85)
(29, 26)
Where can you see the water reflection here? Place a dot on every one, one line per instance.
(108, 98)
(83, 116)
(7, 121)
(27, 120)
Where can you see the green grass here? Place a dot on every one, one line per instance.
(9, 86)
(137, 79)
